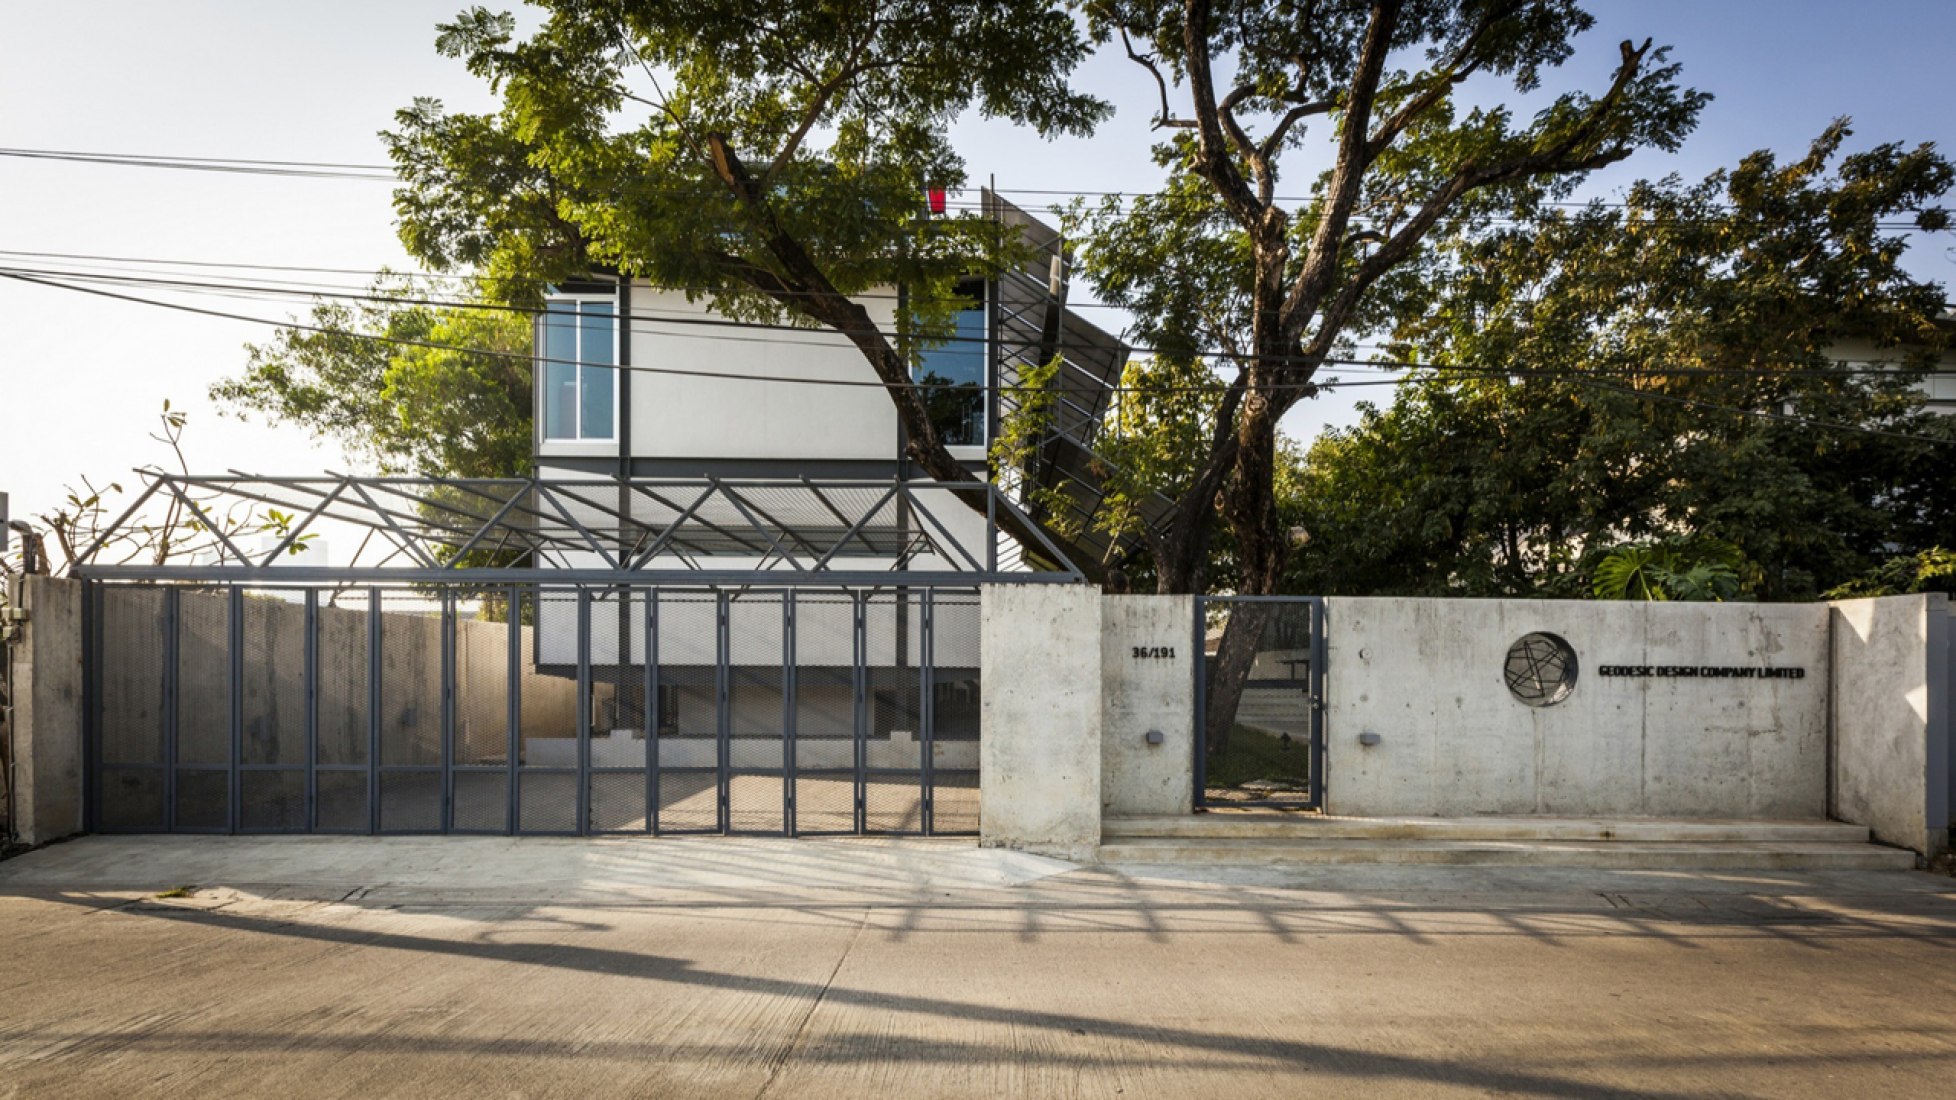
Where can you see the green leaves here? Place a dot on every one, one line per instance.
(458, 407)
(1703, 570)
(603, 150)
(1673, 368)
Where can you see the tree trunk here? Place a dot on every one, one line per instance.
(1229, 670)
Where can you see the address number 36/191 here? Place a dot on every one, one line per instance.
(1146, 652)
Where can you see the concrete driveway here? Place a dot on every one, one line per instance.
(312, 966)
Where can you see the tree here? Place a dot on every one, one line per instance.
(1668, 369)
(435, 391)
(767, 156)
(1217, 260)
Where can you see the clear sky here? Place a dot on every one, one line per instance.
(84, 377)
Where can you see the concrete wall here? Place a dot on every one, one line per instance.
(1147, 669)
(1427, 677)
(47, 692)
(1891, 766)
(1039, 757)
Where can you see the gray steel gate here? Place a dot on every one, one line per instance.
(1259, 690)
(565, 709)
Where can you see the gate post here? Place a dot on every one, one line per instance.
(1039, 743)
(49, 716)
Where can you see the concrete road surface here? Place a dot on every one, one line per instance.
(317, 967)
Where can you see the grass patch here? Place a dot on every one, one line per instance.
(178, 892)
(1254, 754)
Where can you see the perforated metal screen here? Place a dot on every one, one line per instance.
(533, 709)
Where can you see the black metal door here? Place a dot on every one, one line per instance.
(1259, 691)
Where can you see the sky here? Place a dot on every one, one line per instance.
(86, 378)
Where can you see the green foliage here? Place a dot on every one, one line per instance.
(1931, 570)
(1703, 571)
(1662, 370)
(731, 149)
(375, 383)
(1419, 142)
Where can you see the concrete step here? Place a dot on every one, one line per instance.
(1245, 825)
(1612, 854)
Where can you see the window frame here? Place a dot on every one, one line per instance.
(548, 444)
(977, 452)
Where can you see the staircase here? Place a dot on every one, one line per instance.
(1063, 485)
(1248, 839)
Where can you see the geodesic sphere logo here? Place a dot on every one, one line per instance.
(1541, 669)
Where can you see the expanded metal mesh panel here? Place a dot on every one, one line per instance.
(130, 681)
(755, 804)
(480, 802)
(434, 691)
(482, 649)
(954, 802)
(410, 802)
(825, 802)
(896, 719)
(754, 630)
(272, 801)
(824, 630)
(955, 630)
(689, 802)
(341, 642)
(131, 798)
(204, 678)
(547, 733)
(340, 802)
(547, 802)
(203, 799)
(891, 625)
(410, 680)
(274, 679)
(688, 629)
(825, 718)
(618, 802)
(893, 804)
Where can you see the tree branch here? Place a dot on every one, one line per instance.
(1459, 67)
(1347, 176)
(1559, 159)
(1212, 155)
(1166, 117)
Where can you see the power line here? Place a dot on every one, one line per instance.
(1576, 378)
(385, 173)
(251, 292)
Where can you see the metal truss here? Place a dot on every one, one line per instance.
(595, 530)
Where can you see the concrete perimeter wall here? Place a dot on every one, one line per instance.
(1039, 759)
(1147, 675)
(47, 687)
(1891, 767)
(1427, 676)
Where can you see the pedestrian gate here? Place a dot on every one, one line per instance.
(1259, 715)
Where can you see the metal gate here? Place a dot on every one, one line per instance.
(565, 709)
(1259, 690)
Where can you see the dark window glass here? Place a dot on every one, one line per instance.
(953, 374)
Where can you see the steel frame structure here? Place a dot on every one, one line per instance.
(602, 530)
(176, 703)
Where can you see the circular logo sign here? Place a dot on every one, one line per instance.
(1541, 669)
